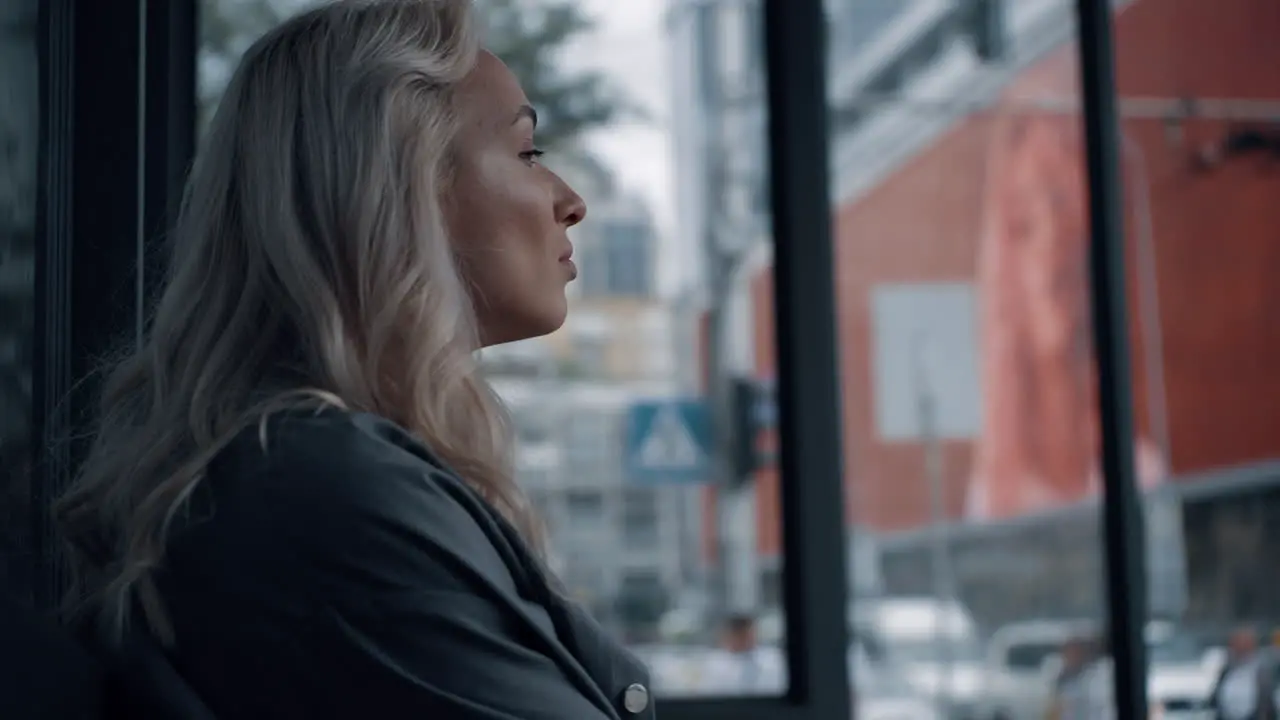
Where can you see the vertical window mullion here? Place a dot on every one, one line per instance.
(1126, 578)
(813, 527)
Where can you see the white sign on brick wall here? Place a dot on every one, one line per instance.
(924, 339)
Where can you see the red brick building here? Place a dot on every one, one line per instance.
(1215, 232)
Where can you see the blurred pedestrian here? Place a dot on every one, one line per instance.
(1084, 686)
(1239, 689)
(1269, 679)
(743, 665)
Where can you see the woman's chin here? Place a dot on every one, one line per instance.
(527, 323)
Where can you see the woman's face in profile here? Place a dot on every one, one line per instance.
(508, 214)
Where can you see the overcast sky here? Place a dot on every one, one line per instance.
(629, 46)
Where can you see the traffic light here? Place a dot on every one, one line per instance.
(753, 410)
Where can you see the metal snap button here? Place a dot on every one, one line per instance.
(635, 698)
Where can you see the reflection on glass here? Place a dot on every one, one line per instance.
(675, 553)
(19, 143)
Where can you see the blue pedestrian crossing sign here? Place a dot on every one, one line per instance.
(668, 441)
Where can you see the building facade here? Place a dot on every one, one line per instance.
(932, 188)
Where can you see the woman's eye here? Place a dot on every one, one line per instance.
(531, 156)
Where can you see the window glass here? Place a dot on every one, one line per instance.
(1199, 141)
(653, 110)
(19, 144)
(584, 504)
(960, 229)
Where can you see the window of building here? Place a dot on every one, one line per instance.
(584, 505)
(640, 518)
(533, 425)
(588, 441)
(618, 258)
(629, 244)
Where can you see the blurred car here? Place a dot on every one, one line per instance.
(882, 692)
(1181, 674)
(878, 685)
(935, 642)
(1022, 663)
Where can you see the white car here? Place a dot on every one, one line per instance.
(934, 641)
(1181, 674)
(1022, 662)
(881, 692)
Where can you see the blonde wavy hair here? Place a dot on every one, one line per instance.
(311, 265)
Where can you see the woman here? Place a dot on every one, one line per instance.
(300, 483)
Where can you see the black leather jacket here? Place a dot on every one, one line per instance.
(345, 572)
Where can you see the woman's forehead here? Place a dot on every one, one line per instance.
(490, 94)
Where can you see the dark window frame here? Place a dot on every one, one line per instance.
(24, 535)
(117, 95)
(1124, 534)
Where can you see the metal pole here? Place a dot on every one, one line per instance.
(736, 579)
(707, 71)
(1121, 511)
(1166, 545)
(943, 581)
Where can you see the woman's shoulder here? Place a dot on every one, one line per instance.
(317, 484)
(323, 441)
(312, 458)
